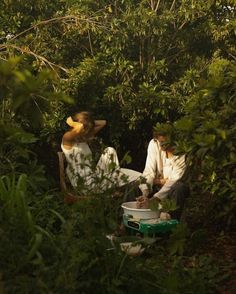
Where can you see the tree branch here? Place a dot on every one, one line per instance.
(157, 6)
(38, 57)
(90, 43)
(172, 5)
(234, 57)
(74, 18)
(181, 26)
(152, 4)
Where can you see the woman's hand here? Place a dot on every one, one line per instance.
(70, 121)
(99, 124)
(77, 126)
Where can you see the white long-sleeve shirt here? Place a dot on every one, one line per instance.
(158, 164)
(153, 166)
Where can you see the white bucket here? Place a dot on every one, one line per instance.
(131, 210)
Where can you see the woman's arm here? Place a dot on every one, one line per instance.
(99, 124)
(70, 136)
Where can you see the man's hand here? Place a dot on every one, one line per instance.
(145, 192)
(159, 181)
(142, 202)
(165, 216)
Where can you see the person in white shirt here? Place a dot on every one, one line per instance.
(164, 170)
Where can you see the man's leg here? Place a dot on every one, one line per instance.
(179, 193)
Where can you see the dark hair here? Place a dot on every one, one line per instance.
(165, 130)
(86, 118)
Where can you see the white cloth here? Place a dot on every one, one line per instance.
(105, 174)
(157, 164)
(153, 166)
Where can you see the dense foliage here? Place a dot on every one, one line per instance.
(135, 64)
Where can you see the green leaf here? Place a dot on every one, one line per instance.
(37, 240)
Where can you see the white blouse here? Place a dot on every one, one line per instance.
(105, 174)
(78, 163)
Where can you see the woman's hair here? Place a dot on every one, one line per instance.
(87, 120)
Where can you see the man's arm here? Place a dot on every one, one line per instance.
(151, 166)
(179, 168)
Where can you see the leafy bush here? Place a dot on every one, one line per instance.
(132, 63)
(62, 248)
(208, 136)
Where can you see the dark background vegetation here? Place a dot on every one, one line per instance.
(135, 64)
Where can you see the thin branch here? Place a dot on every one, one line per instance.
(234, 57)
(181, 26)
(172, 5)
(35, 102)
(42, 97)
(157, 6)
(152, 4)
(39, 57)
(73, 18)
(174, 56)
(90, 43)
(3, 58)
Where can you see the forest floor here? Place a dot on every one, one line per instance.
(223, 249)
